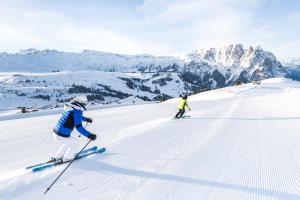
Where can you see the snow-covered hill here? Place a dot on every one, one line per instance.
(239, 143)
(47, 78)
(48, 90)
(32, 60)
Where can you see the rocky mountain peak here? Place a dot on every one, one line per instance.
(228, 63)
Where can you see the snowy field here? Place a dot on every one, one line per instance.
(240, 143)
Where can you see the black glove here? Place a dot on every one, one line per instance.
(93, 136)
(89, 120)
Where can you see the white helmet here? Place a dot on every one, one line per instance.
(79, 102)
(81, 99)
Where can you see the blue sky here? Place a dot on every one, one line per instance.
(160, 27)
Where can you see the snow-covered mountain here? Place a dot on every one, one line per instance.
(49, 77)
(230, 61)
(53, 89)
(228, 65)
(32, 60)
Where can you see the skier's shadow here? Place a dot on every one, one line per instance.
(101, 167)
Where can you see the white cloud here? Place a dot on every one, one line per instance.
(156, 27)
(207, 23)
(28, 27)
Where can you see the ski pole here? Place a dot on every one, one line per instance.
(84, 127)
(67, 167)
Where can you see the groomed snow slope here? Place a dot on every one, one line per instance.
(240, 143)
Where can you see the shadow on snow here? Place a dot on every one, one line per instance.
(101, 167)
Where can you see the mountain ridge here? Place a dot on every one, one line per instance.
(147, 77)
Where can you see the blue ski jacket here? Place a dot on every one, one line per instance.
(71, 118)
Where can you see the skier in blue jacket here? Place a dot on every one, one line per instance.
(72, 117)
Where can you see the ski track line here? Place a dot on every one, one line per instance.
(268, 154)
(219, 172)
(140, 157)
(190, 170)
(226, 173)
(262, 149)
(226, 176)
(187, 170)
(165, 146)
(263, 192)
(143, 147)
(183, 146)
(109, 178)
(196, 139)
(158, 168)
(290, 154)
(278, 156)
(222, 120)
(180, 137)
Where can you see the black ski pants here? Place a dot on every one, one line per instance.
(180, 113)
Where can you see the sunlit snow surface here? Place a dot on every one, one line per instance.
(239, 143)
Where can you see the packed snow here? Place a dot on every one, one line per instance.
(240, 142)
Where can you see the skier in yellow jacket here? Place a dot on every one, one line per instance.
(182, 105)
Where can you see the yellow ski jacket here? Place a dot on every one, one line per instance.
(183, 104)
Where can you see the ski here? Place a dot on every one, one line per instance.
(80, 156)
(94, 148)
(183, 117)
(52, 161)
